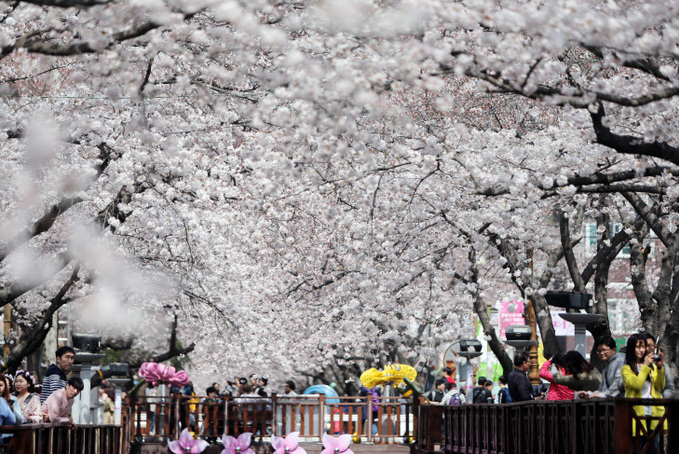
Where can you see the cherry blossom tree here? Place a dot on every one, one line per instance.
(333, 184)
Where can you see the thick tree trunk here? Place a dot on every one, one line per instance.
(546, 325)
(494, 341)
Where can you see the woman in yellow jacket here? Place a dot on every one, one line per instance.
(643, 377)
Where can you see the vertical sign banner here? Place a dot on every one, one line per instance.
(511, 313)
(561, 326)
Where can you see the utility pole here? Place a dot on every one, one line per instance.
(7, 328)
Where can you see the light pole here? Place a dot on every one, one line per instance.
(575, 300)
(86, 347)
(520, 337)
(468, 349)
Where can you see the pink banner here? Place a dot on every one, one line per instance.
(511, 313)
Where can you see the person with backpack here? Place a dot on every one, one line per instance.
(436, 395)
(503, 396)
(452, 395)
(481, 394)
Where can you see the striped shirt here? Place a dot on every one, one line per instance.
(55, 378)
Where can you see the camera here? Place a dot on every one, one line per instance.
(656, 356)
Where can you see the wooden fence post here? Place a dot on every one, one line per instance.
(623, 427)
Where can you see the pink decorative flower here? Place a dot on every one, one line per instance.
(287, 445)
(240, 445)
(155, 373)
(187, 444)
(332, 445)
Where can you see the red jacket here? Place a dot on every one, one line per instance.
(556, 391)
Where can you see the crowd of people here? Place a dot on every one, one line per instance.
(637, 371)
(240, 390)
(240, 387)
(23, 400)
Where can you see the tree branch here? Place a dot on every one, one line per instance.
(630, 144)
(650, 218)
(30, 340)
(37, 43)
(173, 350)
(567, 247)
(68, 3)
(47, 220)
(14, 290)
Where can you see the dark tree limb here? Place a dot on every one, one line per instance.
(173, 351)
(651, 218)
(568, 253)
(630, 144)
(480, 308)
(31, 339)
(605, 253)
(68, 3)
(113, 211)
(50, 216)
(37, 42)
(648, 65)
(15, 289)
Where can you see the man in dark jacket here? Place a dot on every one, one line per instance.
(481, 394)
(519, 387)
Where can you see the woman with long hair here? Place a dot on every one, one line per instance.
(643, 376)
(29, 401)
(5, 387)
(583, 376)
(556, 391)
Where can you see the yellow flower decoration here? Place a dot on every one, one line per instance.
(392, 373)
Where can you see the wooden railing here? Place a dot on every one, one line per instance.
(386, 420)
(46, 439)
(551, 427)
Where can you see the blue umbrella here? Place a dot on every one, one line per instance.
(323, 389)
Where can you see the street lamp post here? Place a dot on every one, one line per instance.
(520, 337)
(86, 353)
(468, 349)
(575, 300)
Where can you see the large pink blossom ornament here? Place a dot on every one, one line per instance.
(287, 445)
(187, 444)
(237, 445)
(155, 373)
(332, 445)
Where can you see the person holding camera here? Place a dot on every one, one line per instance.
(651, 348)
(643, 380)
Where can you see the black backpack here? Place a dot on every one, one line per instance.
(478, 395)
